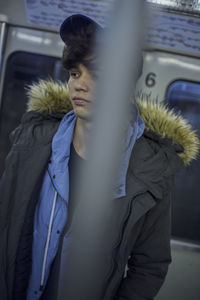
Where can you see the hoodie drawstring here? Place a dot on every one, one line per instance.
(48, 240)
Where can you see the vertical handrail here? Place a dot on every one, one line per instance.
(2, 42)
(3, 37)
(82, 271)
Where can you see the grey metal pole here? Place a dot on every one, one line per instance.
(3, 36)
(85, 267)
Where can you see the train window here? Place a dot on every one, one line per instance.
(22, 69)
(184, 97)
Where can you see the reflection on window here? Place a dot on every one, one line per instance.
(184, 97)
(22, 69)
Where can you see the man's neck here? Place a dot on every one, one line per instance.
(81, 134)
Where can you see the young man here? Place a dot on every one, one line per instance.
(37, 203)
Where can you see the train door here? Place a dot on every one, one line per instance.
(169, 75)
(172, 75)
(29, 55)
(175, 80)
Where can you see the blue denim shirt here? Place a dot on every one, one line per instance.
(51, 211)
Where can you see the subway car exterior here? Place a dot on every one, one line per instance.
(31, 49)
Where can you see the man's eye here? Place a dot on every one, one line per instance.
(74, 74)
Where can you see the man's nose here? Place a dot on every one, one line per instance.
(81, 84)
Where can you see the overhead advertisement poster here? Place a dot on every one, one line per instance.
(50, 14)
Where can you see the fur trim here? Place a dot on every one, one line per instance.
(168, 124)
(50, 97)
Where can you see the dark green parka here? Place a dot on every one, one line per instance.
(141, 219)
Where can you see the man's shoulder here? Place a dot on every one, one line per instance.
(35, 128)
(152, 147)
(154, 161)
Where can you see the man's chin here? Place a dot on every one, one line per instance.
(84, 116)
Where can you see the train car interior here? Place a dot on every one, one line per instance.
(30, 50)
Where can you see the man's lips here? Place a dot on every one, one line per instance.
(80, 101)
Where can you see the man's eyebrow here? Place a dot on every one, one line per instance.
(74, 68)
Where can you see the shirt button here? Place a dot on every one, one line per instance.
(58, 231)
(54, 176)
(50, 161)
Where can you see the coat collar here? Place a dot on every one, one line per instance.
(48, 97)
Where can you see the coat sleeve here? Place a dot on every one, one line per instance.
(150, 255)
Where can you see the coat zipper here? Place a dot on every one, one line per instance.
(48, 240)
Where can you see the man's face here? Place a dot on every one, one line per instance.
(81, 86)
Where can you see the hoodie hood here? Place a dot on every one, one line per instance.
(48, 97)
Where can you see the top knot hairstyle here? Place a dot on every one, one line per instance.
(79, 35)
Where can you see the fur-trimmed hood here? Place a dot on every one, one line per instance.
(49, 97)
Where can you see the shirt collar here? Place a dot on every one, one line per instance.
(61, 149)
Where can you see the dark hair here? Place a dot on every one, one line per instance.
(80, 48)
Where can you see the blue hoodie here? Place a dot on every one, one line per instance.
(51, 211)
